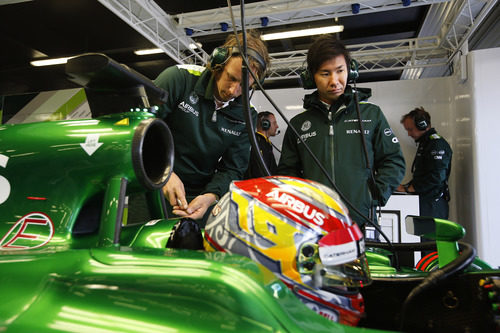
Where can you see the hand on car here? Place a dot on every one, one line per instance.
(196, 208)
(175, 193)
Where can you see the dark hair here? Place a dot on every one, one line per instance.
(418, 114)
(325, 48)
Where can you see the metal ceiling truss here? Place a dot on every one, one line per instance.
(372, 57)
(159, 28)
(280, 12)
(466, 18)
(450, 24)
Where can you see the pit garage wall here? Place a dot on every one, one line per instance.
(463, 110)
(484, 69)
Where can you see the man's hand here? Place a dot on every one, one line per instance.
(406, 188)
(196, 208)
(175, 193)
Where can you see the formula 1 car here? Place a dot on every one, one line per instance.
(84, 233)
(84, 229)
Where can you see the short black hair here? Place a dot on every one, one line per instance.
(325, 48)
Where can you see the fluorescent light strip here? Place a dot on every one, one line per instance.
(49, 62)
(148, 51)
(304, 32)
(192, 46)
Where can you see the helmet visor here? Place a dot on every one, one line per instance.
(343, 260)
(352, 274)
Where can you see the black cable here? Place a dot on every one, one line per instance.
(467, 256)
(409, 247)
(363, 143)
(251, 131)
(371, 181)
(272, 144)
(245, 68)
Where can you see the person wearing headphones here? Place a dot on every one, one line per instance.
(267, 126)
(431, 166)
(363, 158)
(205, 114)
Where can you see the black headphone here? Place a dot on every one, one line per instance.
(307, 78)
(265, 124)
(420, 122)
(221, 55)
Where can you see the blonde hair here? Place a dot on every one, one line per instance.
(253, 43)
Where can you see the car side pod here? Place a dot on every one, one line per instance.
(55, 168)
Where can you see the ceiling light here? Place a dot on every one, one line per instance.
(304, 32)
(148, 51)
(194, 46)
(49, 62)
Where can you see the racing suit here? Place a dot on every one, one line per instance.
(211, 146)
(431, 169)
(334, 137)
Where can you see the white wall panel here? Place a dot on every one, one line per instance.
(484, 76)
(462, 176)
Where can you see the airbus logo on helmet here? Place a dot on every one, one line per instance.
(298, 206)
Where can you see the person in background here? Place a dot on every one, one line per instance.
(205, 114)
(431, 166)
(267, 126)
(330, 127)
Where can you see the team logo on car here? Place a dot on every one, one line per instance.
(306, 126)
(31, 231)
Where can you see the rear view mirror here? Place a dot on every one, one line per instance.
(420, 225)
(434, 228)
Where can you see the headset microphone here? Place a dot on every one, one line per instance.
(278, 132)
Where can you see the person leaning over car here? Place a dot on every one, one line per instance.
(204, 112)
(330, 127)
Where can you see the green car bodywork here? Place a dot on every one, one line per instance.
(73, 259)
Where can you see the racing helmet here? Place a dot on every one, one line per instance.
(301, 231)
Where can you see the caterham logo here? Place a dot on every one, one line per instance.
(193, 98)
(31, 231)
(306, 125)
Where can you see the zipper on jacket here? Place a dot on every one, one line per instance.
(214, 116)
(330, 132)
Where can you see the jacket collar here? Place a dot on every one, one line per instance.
(426, 135)
(265, 137)
(347, 98)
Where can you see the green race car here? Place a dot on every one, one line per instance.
(84, 240)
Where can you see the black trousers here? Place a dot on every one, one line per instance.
(434, 207)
